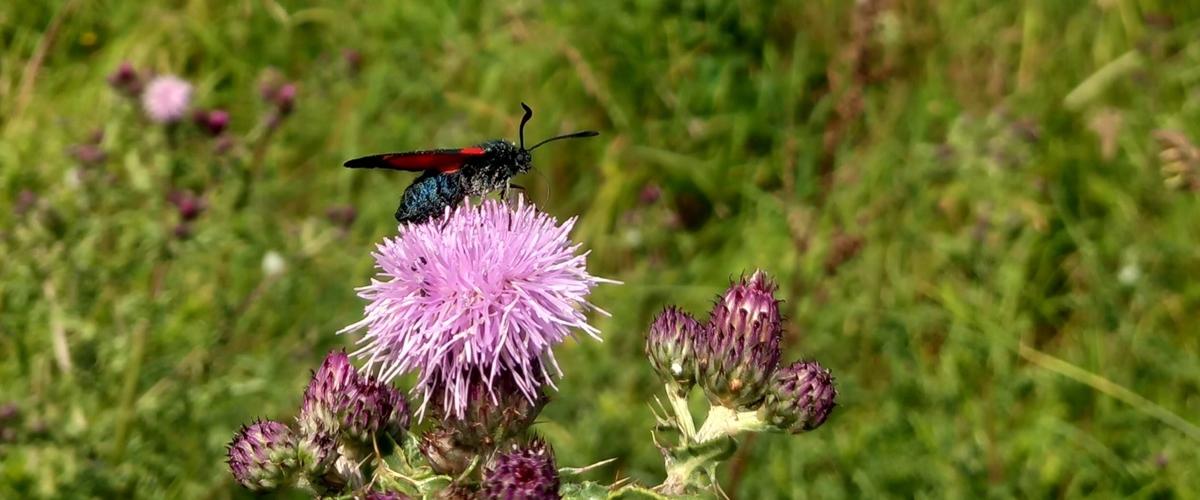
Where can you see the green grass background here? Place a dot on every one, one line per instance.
(1009, 310)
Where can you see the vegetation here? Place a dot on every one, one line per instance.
(964, 203)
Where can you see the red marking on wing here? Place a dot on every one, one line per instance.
(443, 160)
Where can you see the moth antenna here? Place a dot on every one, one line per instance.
(524, 120)
(580, 134)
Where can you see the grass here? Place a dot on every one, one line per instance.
(962, 201)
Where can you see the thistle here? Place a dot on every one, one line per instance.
(263, 456)
(741, 346)
(166, 99)
(485, 292)
(524, 472)
(799, 398)
(671, 347)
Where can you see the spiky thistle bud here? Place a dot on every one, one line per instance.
(262, 456)
(525, 472)
(340, 401)
(799, 398)
(741, 345)
(671, 347)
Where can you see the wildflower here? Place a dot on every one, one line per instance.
(485, 290)
(525, 472)
(799, 398)
(189, 204)
(262, 456)
(273, 264)
(125, 80)
(671, 347)
(213, 122)
(166, 99)
(88, 154)
(741, 346)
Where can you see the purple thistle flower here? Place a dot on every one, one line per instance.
(494, 413)
(526, 472)
(799, 398)
(262, 455)
(126, 80)
(741, 345)
(189, 204)
(166, 98)
(213, 122)
(484, 290)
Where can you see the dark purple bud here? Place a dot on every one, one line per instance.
(671, 347)
(213, 122)
(126, 80)
(285, 98)
(741, 345)
(262, 456)
(495, 411)
(189, 204)
(526, 472)
(88, 155)
(799, 398)
(650, 194)
(342, 216)
(377, 407)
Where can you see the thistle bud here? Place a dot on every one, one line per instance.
(495, 412)
(799, 398)
(385, 495)
(741, 345)
(671, 347)
(333, 386)
(262, 456)
(523, 472)
(377, 407)
(316, 454)
(125, 80)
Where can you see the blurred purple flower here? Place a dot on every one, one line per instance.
(484, 290)
(189, 204)
(88, 154)
(285, 98)
(214, 121)
(126, 80)
(166, 98)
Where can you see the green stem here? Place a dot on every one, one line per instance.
(683, 414)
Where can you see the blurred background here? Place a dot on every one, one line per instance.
(982, 215)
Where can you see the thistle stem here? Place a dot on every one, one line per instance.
(683, 414)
